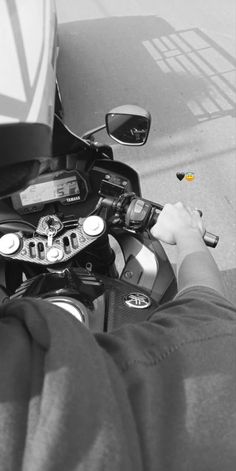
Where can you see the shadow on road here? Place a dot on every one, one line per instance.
(182, 77)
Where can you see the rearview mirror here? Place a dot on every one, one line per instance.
(129, 125)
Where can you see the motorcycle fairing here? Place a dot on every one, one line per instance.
(28, 55)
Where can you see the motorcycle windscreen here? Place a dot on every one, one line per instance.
(28, 55)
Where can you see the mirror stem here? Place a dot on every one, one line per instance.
(89, 134)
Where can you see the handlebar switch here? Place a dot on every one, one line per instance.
(137, 214)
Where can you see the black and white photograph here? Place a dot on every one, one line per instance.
(117, 235)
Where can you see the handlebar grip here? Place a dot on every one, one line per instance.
(211, 240)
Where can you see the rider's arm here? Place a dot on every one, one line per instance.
(195, 265)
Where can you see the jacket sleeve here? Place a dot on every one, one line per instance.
(180, 377)
(198, 312)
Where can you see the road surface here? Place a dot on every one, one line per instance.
(176, 59)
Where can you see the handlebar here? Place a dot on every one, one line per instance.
(38, 246)
(140, 214)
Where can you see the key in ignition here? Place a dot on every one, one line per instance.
(49, 226)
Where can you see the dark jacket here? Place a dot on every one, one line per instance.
(160, 395)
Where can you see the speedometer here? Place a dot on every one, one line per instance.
(65, 187)
(50, 191)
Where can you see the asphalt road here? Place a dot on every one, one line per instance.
(176, 59)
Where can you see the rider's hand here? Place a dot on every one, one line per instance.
(177, 221)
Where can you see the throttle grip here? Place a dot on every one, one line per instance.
(211, 240)
(144, 213)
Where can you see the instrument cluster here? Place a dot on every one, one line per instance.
(64, 187)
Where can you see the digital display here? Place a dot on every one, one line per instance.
(49, 191)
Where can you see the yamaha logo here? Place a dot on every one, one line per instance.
(137, 300)
(73, 198)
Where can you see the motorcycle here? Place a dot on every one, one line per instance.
(56, 234)
(79, 234)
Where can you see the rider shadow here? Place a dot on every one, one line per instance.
(111, 65)
(182, 77)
